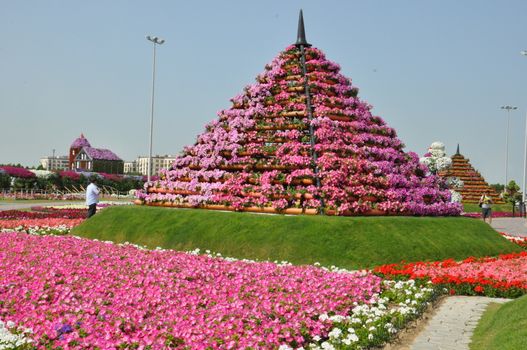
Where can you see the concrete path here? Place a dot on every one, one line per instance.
(453, 324)
(27, 205)
(511, 226)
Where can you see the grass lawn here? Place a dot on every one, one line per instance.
(471, 208)
(503, 327)
(348, 242)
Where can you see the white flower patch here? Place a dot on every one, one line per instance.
(372, 325)
(15, 339)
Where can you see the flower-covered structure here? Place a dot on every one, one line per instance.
(437, 162)
(299, 140)
(474, 183)
(84, 157)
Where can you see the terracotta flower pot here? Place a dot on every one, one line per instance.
(340, 118)
(269, 210)
(374, 212)
(310, 211)
(292, 211)
(138, 202)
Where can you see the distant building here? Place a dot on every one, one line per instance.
(75, 148)
(54, 163)
(83, 157)
(130, 167)
(158, 163)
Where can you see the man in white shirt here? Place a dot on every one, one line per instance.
(92, 197)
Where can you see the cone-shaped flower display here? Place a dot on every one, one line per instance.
(269, 153)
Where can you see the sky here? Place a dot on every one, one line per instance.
(433, 70)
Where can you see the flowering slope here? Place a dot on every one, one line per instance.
(258, 153)
(505, 275)
(80, 293)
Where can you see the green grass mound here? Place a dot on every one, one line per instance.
(474, 208)
(503, 327)
(347, 242)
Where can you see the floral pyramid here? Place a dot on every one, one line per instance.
(299, 140)
(474, 183)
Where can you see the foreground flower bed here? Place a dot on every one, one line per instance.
(502, 276)
(78, 293)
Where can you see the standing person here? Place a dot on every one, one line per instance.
(485, 202)
(92, 196)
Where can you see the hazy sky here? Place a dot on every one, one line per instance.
(434, 70)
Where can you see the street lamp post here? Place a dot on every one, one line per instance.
(524, 53)
(155, 41)
(508, 109)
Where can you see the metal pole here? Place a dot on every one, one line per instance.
(524, 163)
(310, 117)
(507, 150)
(152, 114)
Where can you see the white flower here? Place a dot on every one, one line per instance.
(353, 337)
(437, 145)
(337, 318)
(335, 333)
(327, 346)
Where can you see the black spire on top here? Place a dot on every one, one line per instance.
(301, 35)
(457, 152)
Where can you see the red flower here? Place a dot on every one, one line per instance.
(479, 289)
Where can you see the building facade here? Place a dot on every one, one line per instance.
(75, 148)
(158, 163)
(130, 167)
(83, 157)
(55, 163)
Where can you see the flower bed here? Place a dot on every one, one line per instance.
(502, 276)
(45, 214)
(28, 195)
(57, 226)
(78, 293)
(495, 214)
(521, 241)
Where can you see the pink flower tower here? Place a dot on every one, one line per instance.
(300, 141)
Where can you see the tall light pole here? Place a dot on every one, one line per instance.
(155, 41)
(508, 109)
(524, 53)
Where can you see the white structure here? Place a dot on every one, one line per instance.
(158, 163)
(130, 167)
(54, 163)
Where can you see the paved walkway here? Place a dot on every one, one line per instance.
(453, 324)
(511, 226)
(27, 205)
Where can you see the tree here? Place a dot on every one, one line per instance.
(498, 187)
(512, 194)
